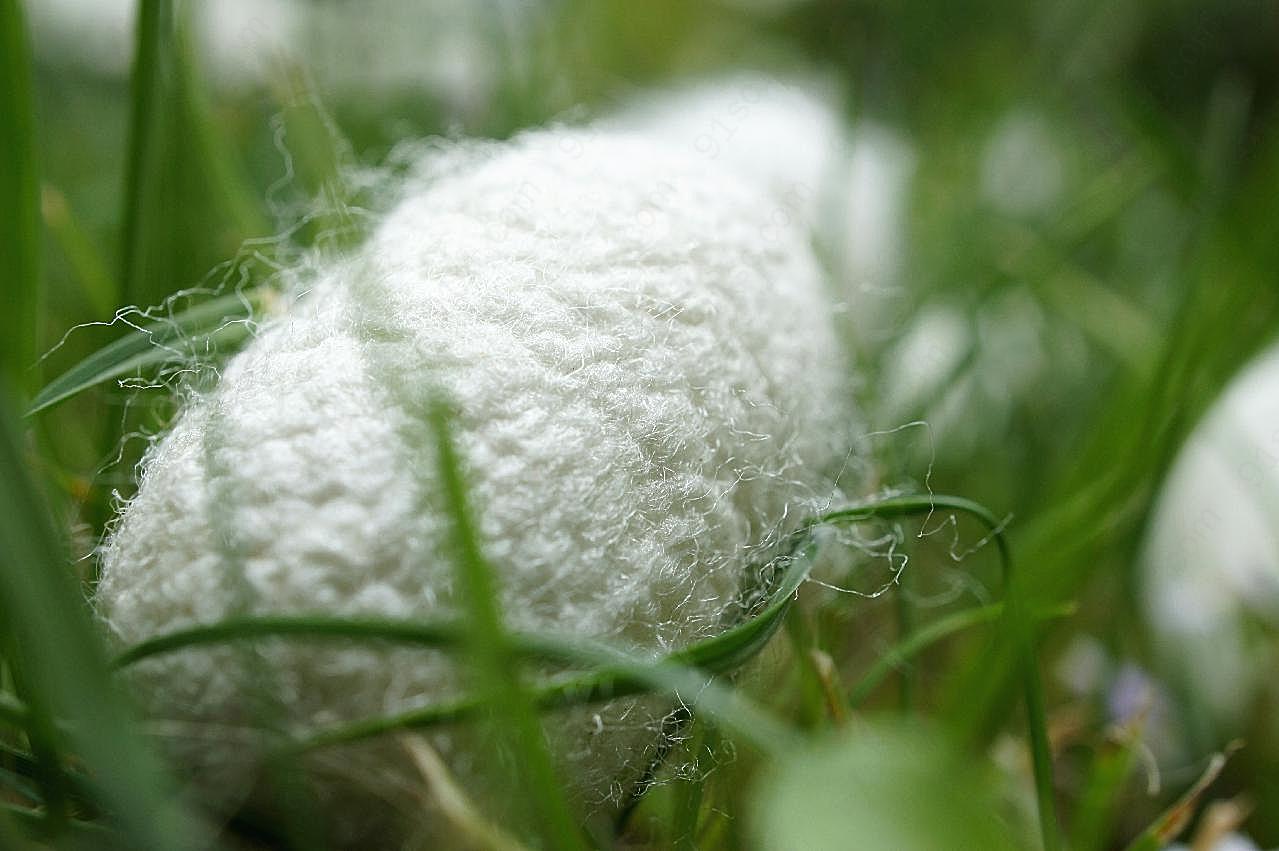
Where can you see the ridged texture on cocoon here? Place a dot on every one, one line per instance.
(649, 394)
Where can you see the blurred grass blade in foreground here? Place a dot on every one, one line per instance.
(19, 202)
(187, 205)
(495, 666)
(62, 669)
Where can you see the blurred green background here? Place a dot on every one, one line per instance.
(1073, 245)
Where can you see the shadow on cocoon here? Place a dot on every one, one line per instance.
(649, 395)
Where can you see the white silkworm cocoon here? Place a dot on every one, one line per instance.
(786, 136)
(649, 395)
(1211, 561)
(848, 185)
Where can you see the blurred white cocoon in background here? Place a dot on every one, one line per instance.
(451, 50)
(847, 184)
(237, 39)
(1211, 562)
(457, 51)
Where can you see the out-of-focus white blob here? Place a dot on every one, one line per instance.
(849, 188)
(786, 134)
(1211, 562)
(880, 166)
(93, 34)
(244, 41)
(918, 367)
(239, 40)
(453, 50)
(1229, 842)
(1014, 350)
(1023, 169)
(456, 50)
(1083, 667)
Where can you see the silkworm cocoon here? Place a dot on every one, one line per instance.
(784, 135)
(649, 395)
(848, 185)
(1211, 562)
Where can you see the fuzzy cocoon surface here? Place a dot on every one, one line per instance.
(649, 391)
(1211, 563)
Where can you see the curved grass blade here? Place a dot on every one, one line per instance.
(1018, 626)
(927, 636)
(716, 655)
(19, 201)
(221, 322)
(617, 674)
(916, 643)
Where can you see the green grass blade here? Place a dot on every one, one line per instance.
(234, 197)
(495, 668)
(1093, 512)
(63, 672)
(187, 204)
(905, 617)
(98, 287)
(928, 635)
(918, 641)
(319, 160)
(691, 793)
(1099, 802)
(152, 63)
(616, 674)
(219, 323)
(19, 202)
(423, 633)
(812, 705)
(715, 655)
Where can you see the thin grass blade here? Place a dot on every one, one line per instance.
(496, 671)
(219, 324)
